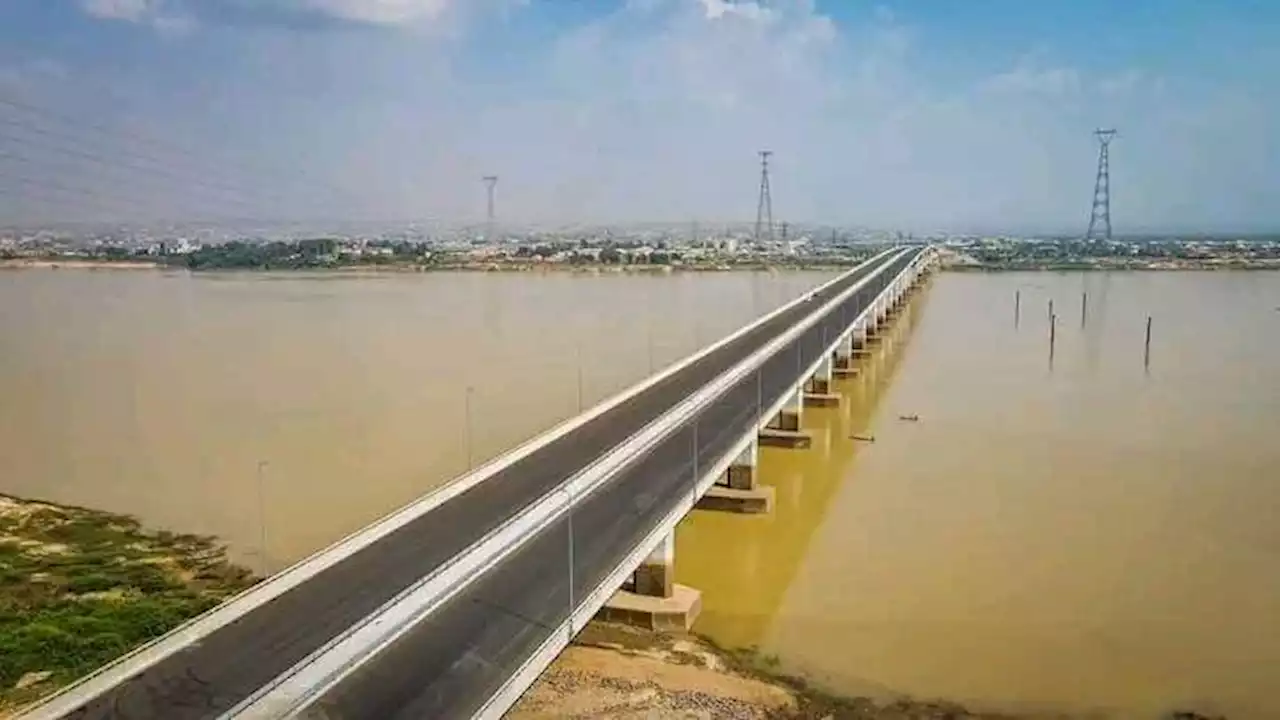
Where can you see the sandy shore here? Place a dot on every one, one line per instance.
(624, 674)
(621, 673)
(33, 264)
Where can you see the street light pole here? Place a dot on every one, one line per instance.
(569, 492)
(578, 352)
(649, 323)
(696, 477)
(470, 456)
(262, 517)
(759, 394)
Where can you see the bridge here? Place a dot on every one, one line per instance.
(451, 606)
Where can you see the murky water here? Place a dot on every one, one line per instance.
(1082, 535)
(284, 411)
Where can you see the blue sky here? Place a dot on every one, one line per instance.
(921, 115)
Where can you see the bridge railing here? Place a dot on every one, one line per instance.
(727, 434)
(331, 664)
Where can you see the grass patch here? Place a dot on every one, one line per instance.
(79, 588)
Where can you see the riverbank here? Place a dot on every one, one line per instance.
(413, 267)
(74, 264)
(1117, 266)
(80, 587)
(617, 672)
(612, 671)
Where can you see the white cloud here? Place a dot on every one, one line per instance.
(1123, 83)
(130, 10)
(166, 16)
(378, 12)
(1027, 77)
(170, 15)
(716, 9)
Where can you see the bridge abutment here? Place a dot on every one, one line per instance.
(652, 599)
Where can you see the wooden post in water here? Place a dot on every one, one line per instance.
(1053, 335)
(1017, 307)
(1051, 309)
(1146, 348)
(1084, 307)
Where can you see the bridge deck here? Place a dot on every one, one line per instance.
(452, 663)
(210, 677)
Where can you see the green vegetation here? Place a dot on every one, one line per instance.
(79, 588)
(303, 254)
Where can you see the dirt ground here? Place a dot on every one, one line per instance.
(618, 673)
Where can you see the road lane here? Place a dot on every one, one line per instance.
(208, 678)
(449, 665)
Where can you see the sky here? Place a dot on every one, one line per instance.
(915, 116)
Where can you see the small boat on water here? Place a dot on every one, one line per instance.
(909, 418)
(863, 438)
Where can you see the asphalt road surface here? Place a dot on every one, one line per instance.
(208, 678)
(454, 661)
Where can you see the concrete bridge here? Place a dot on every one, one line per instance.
(451, 606)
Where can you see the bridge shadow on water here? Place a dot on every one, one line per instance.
(744, 564)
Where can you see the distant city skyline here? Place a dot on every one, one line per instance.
(894, 116)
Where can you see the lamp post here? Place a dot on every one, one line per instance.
(468, 440)
(262, 516)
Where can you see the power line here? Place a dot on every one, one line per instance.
(139, 147)
(109, 200)
(157, 174)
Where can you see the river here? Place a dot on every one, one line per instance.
(1069, 534)
(1076, 536)
(283, 411)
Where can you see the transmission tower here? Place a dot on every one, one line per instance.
(1101, 213)
(764, 208)
(490, 182)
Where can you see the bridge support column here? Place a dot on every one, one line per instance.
(788, 418)
(817, 389)
(652, 599)
(739, 490)
(842, 359)
(656, 576)
(871, 331)
(783, 429)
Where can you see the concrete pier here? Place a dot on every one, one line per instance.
(821, 399)
(796, 439)
(845, 367)
(788, 418)
(738, 490)
(653, 600)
